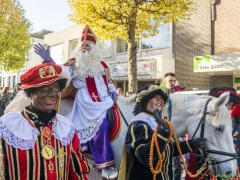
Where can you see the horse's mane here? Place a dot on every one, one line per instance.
(180, 100)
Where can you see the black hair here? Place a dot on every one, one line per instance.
(62, 84)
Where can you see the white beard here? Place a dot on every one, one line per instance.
(87, 64)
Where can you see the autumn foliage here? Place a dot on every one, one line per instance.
(128, 20)
(15, 40)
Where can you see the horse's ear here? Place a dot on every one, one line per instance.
(222, 99)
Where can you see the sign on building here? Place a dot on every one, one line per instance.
(215, 63)
(144, 69)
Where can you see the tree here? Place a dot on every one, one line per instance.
(128, 20)
(15, 40)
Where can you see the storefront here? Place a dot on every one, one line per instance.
(224, 69)
(150, 70)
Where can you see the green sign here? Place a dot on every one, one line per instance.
(198, 60)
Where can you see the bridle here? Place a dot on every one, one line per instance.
(206, 151)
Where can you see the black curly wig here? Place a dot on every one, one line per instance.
(62, 84)
(141, 106)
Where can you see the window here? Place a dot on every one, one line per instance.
(57, 53)
(105, 48)
(72, 45)
(14, 81)
(4, 82)
(162, 39)
(9, 81)
(121, 46)
(237, 80)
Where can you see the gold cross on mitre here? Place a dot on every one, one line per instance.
(95, 96)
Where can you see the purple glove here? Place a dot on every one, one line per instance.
(113, 95)
(44, 53)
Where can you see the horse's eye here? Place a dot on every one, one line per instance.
(219, 128)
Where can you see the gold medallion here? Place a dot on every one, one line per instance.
(47, 152)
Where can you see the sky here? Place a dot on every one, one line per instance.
(47, 14)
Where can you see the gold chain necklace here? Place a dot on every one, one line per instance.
(47, 151)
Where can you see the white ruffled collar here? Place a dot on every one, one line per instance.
(16, 130)
(150, 120)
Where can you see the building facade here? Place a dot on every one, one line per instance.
(206, 46)
(10, 79)
(202, 51)
(154, 55)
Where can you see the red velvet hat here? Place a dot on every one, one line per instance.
(88, 36)
(41, 75)
(217, 91)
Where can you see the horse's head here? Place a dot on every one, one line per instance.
(188, 110)
(219, 136)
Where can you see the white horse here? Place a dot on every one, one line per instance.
(187, 111)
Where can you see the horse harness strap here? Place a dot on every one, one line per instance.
(202, 121)
(205, 152)
(122, 116)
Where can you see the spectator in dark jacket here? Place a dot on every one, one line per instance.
(17, 88)
(2, 107)
(5, 95)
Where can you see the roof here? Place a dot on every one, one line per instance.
(41, 33)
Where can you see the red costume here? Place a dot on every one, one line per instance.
(40, 145)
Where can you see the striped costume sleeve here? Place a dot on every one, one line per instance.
(79, 167)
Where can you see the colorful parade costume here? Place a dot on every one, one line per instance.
(94, 97)
(139, 137)
(40, 145)
(90, 107)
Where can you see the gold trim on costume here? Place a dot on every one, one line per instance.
(161, 137)
(18, 167)
(104, 164)
(29, 112)
(137, 149)
(10, 154)
(42, 83)
(188, 146)
(146, 92)
(84, 148)
(146, 131)
(47, 71)
(88, 155)
(37, 157)
(133, 137)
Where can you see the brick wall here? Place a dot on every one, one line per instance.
(227, 26)
(193, 38)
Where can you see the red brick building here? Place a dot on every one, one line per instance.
(212, 30)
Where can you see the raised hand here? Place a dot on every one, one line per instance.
(113, 95)
(44, 53)
(158, 116)
(199, 143)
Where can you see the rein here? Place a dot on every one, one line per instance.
(202, 121)
(206, 151)
(122, 115)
